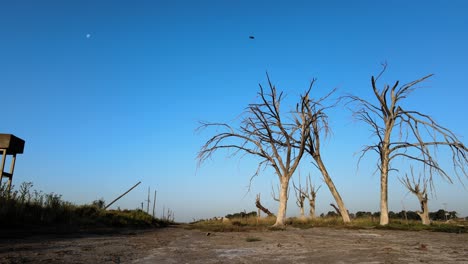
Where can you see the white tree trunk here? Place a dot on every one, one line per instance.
(302, 216)
(312, 208)
(384, 189)
(384, 200)
(424, 215)
(283, 202)
(343, 211)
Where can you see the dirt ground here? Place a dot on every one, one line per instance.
(179, 245)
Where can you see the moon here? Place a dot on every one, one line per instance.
(88, 36)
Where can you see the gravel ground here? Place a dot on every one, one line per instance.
(180, 245)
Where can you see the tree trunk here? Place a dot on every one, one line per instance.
(312, 208)
(261, 207)
(384, 186)
(424, 215)
(383, 199)
(283, 202)
(336, 209)
(302, 216)
(331, 186)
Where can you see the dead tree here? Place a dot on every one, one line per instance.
(300, 197)
(315, 111)
(311, 196)
(337, 210)
(417, 136)
(267, 133)
(419, 188)
(261, 208)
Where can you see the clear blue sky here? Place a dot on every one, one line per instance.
(109, 93)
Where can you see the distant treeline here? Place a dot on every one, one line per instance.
(440, 215)
(410, 215)
(241, 215)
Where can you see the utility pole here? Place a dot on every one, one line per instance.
(148, 201)
(154, 204)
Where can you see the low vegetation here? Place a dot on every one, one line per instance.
(24, 208)
(253, 239)
(247, 224)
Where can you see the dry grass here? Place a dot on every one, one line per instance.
(262, 224)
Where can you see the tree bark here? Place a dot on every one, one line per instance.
(424, 215)
(283, 202)
(302, 215)
(336, 209)
(384, 194)
(339, 201)
(384, 200)
(312, 208)
(260, 207)
(385, 165)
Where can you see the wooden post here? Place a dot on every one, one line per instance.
(2, 167)
(12, 169)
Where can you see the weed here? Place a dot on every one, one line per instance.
(253, 239)
(24, 208)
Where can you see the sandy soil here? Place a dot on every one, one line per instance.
(179, 245)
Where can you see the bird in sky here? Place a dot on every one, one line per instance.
(251, 37)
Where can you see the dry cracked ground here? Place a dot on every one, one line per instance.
(180, 245)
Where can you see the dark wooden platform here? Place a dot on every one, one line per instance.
(12, 144)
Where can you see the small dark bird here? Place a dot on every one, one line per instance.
(251, 37)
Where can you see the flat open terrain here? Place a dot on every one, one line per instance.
(179, 245)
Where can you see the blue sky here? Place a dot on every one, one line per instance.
(100, 112)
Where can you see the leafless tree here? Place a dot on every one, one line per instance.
(418, 188)
(265, 132)
(311, 196)
(315, 111)
(416, 138)
(260, 207)
(300, 198)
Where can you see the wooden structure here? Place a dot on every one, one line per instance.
(9, 145)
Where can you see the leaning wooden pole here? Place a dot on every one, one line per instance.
(116, 199)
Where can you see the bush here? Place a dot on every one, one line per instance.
(26, 208)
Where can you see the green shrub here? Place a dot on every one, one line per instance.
(31, 208)
(253, 239)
